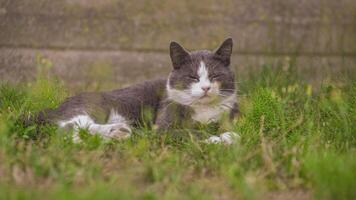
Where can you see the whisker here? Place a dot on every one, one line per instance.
(227, 89)
(225, 105)
(194, 100)
(231, 94)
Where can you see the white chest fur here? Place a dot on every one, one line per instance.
(205, 114)
(212, 113)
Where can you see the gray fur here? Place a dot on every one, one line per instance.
(148, 101)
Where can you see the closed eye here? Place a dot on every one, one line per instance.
(194, 78)
(214, 77)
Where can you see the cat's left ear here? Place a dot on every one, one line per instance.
(224, 51)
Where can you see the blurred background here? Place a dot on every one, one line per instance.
(103, 44)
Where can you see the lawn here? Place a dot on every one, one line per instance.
(298, 141)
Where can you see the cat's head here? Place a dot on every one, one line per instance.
(201, 77)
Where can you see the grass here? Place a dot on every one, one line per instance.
(297, 141)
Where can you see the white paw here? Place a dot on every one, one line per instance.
(213, 140)
(76, 138)
(227, 138)
(118, 132)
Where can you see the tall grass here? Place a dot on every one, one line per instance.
(294, 137)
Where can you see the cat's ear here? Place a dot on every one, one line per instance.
(178, 54)
(224, 51)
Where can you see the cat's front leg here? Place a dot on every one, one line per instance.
(227, 136)
(172, 116)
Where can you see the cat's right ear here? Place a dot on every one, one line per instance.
(178, 54)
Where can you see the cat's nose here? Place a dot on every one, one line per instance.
(206, 88)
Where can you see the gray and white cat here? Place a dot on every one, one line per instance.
(199, 89)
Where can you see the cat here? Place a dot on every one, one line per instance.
(199, 89)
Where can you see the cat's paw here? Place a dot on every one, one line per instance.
(213, 140)
(76, 138)
(118, 132)
(229, 137)
(226, 138)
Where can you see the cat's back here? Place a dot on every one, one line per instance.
(128, 100)
(151, 90)
(143, 89)
(133, 100)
